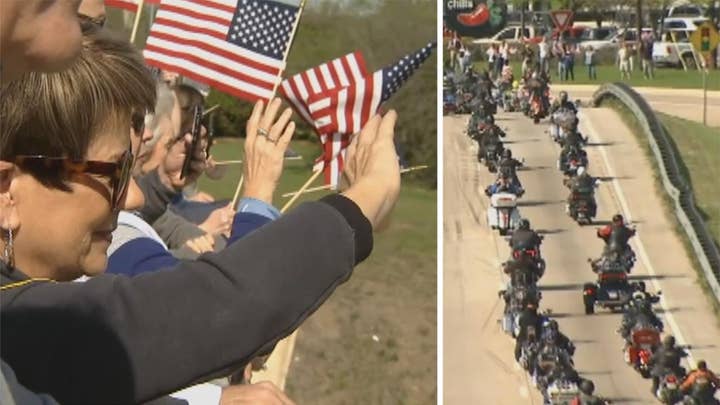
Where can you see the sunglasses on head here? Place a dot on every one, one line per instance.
(118, 172)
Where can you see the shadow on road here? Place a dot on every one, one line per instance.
(528, 140)
(626, 400)
(590, 144)
(531, 203)
(561, 287)
(610, 178)
(644, 277)
(550, 231)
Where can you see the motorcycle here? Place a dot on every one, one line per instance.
(491, 156)
(560, 121)
(611, 290)
(669, 390)
(643, 341)
(503, 214)
(463, 103)
(449, 103)
(515, 296)
(582, 208)
(569, 163)
(702, 392)
(537, 109)
(562, 392)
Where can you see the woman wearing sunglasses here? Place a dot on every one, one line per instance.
(64, 142)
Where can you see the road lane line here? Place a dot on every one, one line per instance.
(638, 241)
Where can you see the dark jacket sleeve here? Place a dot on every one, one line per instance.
(131, 339)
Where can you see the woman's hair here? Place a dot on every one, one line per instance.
(188, 97)
(60, 114)
(163, 108)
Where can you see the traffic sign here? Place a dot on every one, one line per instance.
(562, 19)
(705, 39)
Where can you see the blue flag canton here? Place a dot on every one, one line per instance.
(262, 26)
(395, 75)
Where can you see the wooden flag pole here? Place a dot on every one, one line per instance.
(228, 162)
(301, 7)
(211, 109)
(237, 190)
(301, 191)
(136, 24)
(329, 186)
(309, 190)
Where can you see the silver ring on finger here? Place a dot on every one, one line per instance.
(262, 132)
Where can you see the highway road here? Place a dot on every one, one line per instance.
(478, 357)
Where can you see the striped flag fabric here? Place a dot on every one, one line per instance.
(339, 72)
(236, 46)
(346, 110)
(129, 5)
(343, 111)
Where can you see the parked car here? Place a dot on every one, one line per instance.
(682, 23)
(572, 34)
(685, 10)
(598, 33)
(511, 35)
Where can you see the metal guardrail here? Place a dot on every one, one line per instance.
(675, 183)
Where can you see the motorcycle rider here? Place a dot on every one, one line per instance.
(640, 309)
(573, 137)
(701, 384)
(572, 150)
(617, 235)
(553, 336)
(509, 165)
(503, 184)
(666, 359)
(489, 138)
(582, 186)
(522, 268)
(562, 102)
(586, 397)
(524, 237)
(530, 323)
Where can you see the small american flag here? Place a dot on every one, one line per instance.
(130, 5)
(346, 110)
(338, 72)
(341, 112)
(236, 46)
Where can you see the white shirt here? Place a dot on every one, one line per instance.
(543, 49)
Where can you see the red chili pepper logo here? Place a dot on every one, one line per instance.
(479, 16)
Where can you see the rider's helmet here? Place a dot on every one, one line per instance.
(669, 342)
(563, 96)
(617, 219)
(587, 387)
(701, 365)
(638, 296)
(524, 224)
(581, 170)
(507, 153)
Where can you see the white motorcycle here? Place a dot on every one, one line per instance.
(503, 214)
(562, 392)
(560, 122)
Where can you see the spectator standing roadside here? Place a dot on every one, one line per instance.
(623, 61)
(527, 62)
(466, 58)
(558, 52)
(500, 62)
(491, 55)
(646, 46)
(544, 54)
(569, 61)
(454, 47)
(590, 63)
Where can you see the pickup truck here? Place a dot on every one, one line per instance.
(672, 48)
(511, 35)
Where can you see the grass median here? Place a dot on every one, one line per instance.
(697, 145)
(374, 340)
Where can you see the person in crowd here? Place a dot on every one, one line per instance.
(666, 359)
(492, 54)
(568, 59)
(544, 54)
(559, 53)
(646, 48)
(623, 57)
(117, 345)
(37, 35)
(527, 60)
(590, 62)
(701, 382)
(454, 46)
(509, 165)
